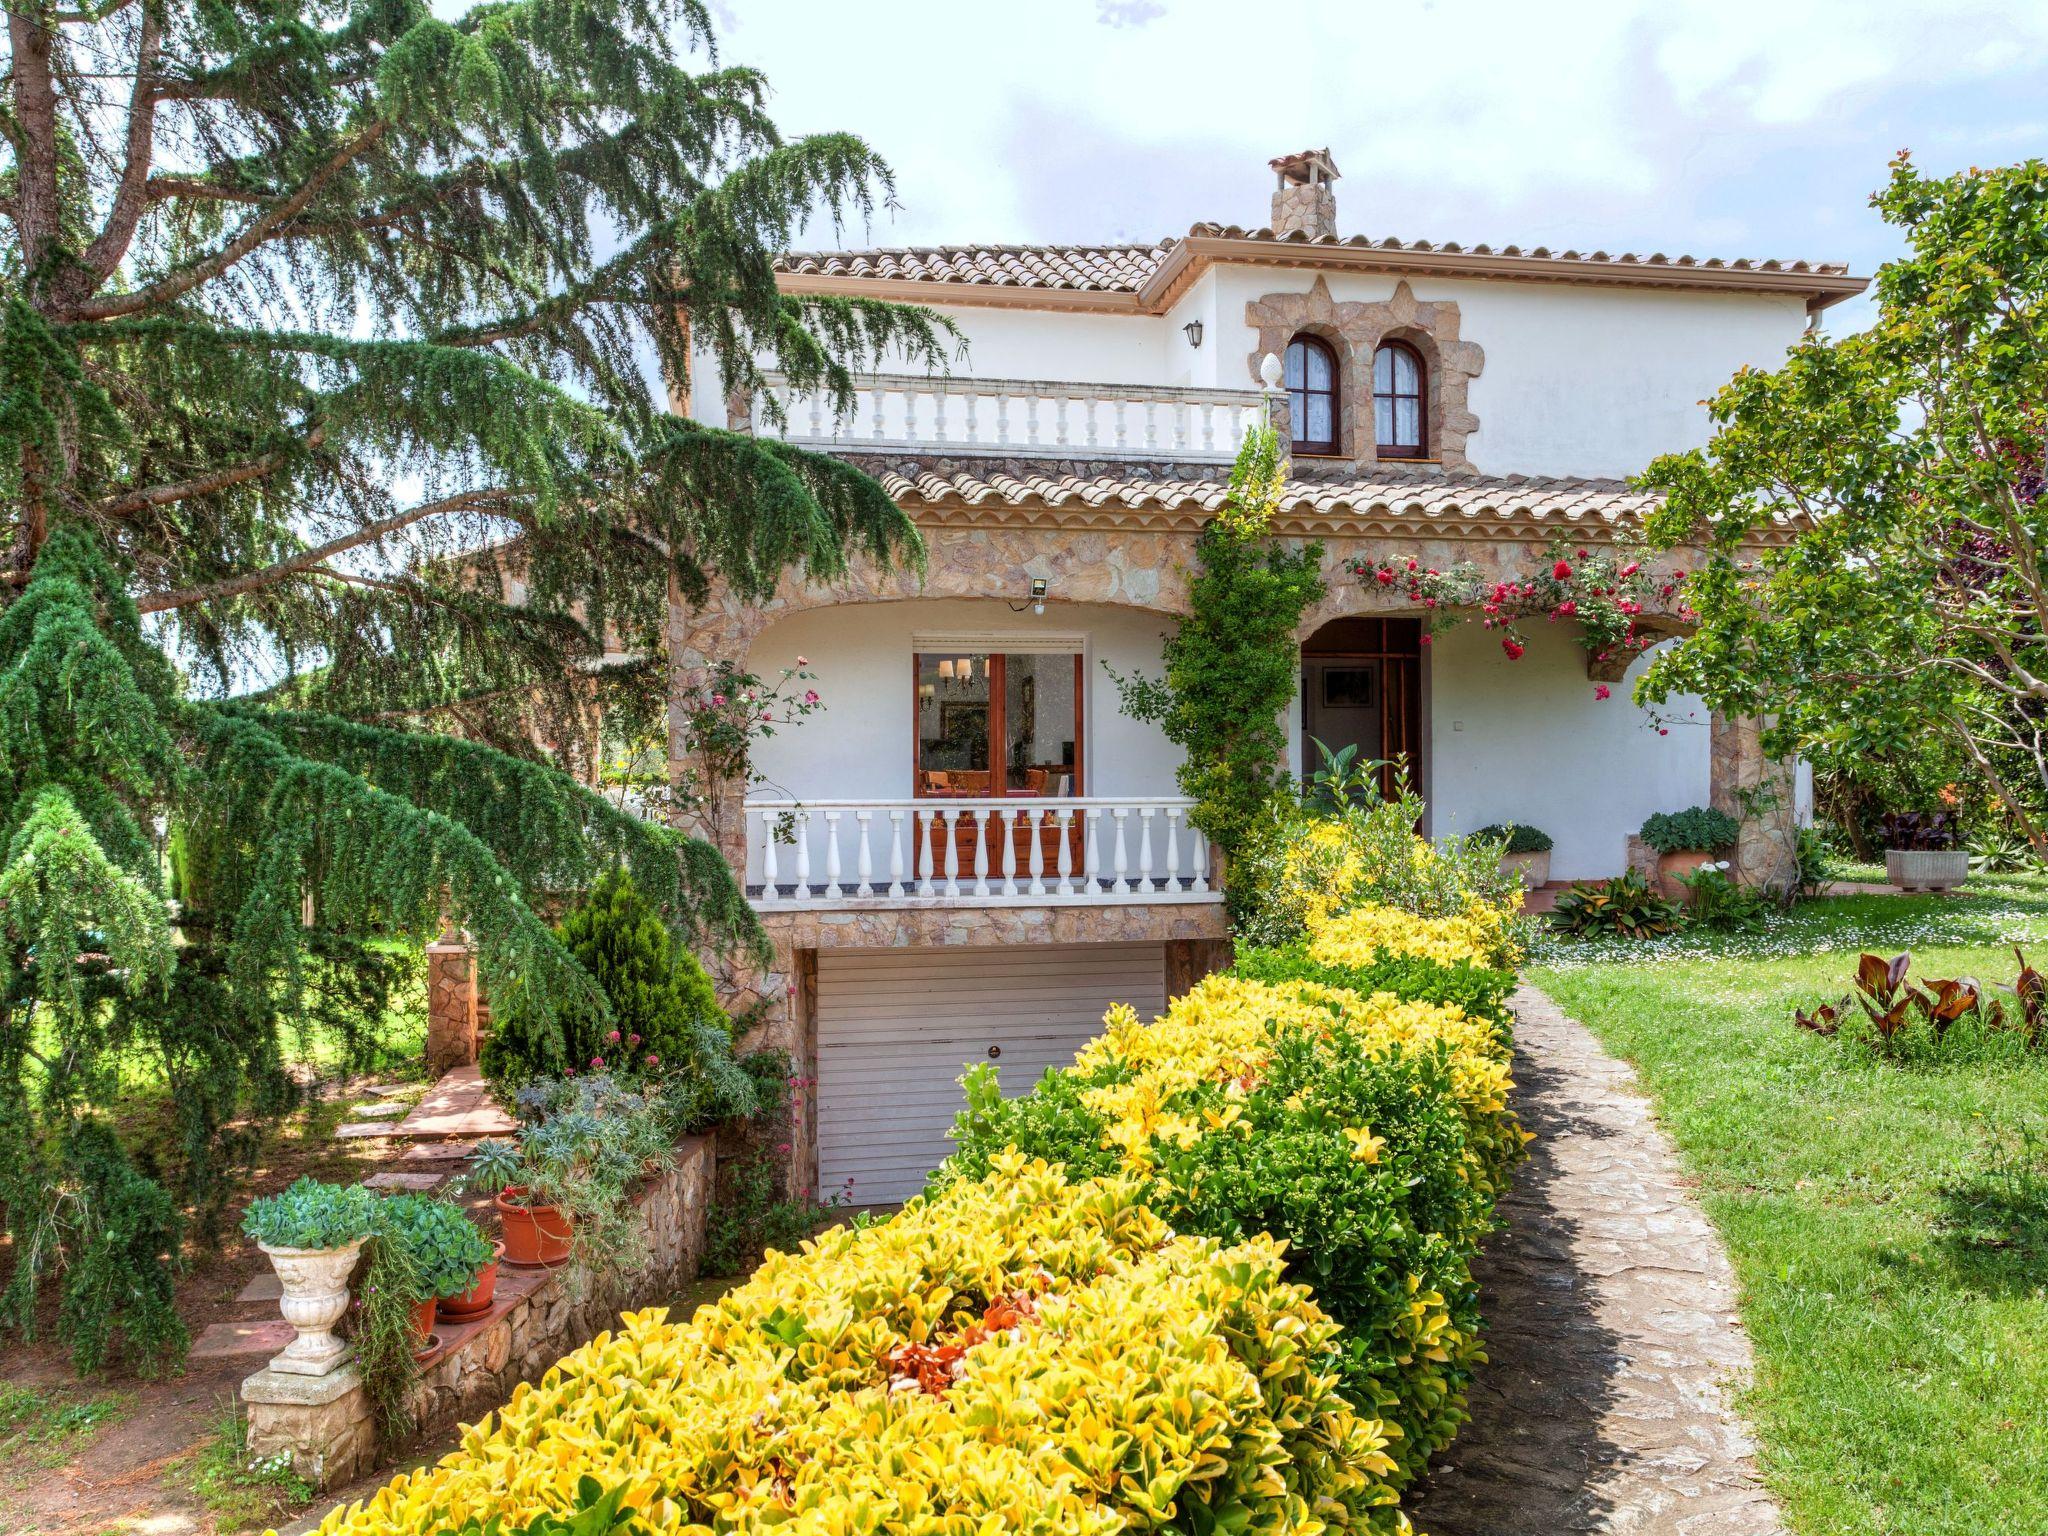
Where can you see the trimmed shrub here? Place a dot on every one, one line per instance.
(1480, 934)
(1020, 1354)
(1371, 1133)
(1479, 990)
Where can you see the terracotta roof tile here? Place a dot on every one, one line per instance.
(1083, 268)
(1470, 499)
(1125, 268)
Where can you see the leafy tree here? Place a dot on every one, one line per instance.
(1232, 667)
(298, 304)
(1905, 605)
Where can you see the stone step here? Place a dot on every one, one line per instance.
(251, 1336)
(412, 1183)
(379, 1111)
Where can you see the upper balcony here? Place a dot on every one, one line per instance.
(1021, 418)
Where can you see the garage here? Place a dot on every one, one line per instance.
(898, 1027)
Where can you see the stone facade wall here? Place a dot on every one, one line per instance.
(325, 1423)
(452, 1004)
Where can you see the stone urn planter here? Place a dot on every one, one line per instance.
(315, 1285)
(534, 1234)
(1927, 869)
(477, 1299)
(1671, 865)
(1533, 868)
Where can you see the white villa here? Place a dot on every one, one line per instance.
(977, 851)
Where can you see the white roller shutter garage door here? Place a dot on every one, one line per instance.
(898, 1027)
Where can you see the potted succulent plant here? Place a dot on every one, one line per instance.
(1685, 840)
(1526, 851)
(313, 1234)
(455, 1264)
(564, 1185)
(1924, 851)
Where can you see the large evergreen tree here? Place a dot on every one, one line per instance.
(297, 302)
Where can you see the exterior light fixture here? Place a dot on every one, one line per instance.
(1036, 601)
(1193, 331)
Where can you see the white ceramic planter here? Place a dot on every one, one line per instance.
(315, 1284)
(1925, 869)
(1534, 868)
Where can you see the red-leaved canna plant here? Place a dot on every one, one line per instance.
(1607, 591)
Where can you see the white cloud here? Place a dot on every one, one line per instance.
(1128, 13)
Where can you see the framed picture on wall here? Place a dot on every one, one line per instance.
(1349, 687)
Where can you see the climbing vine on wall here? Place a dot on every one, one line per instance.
(1232, 667)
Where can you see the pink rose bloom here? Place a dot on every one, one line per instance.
(653, 1060)
(810, 695)
(718, 698)
(597, 1063)
(1601, 691)
(803, 661)
(632, 1039)
(613, 1037)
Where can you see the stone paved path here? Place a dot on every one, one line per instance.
(1611, 1328)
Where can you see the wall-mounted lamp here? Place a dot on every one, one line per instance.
(1036, 601)
(1193, 331)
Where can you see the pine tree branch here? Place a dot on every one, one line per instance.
(132, 502)
(308, 560)
(130, 197)
(255, 233)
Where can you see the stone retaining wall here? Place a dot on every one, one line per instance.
(325, 1423)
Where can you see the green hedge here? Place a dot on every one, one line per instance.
(1479, 990)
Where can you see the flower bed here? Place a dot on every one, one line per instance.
(1019, 1353)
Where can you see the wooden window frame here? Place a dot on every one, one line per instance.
(998, 726)
(1419, 449)
(1313, 446)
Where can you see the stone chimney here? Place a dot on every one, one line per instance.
(1303, 201)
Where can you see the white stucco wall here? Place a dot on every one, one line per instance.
(1526, 741)
(859, 745)
(1579, 379)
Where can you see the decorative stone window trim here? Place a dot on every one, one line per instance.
(1356, 330)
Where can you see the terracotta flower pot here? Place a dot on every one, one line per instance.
(315, 1286)
(478, 1297)
(1671, 865)
(1534, 868)
(534, 1234)
(423, 1325)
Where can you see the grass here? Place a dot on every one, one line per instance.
(40, 1428)
(1889, 1225)
(240, 1494)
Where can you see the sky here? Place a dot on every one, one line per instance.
(1736, 128)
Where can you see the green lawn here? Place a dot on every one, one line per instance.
(1889, 1225)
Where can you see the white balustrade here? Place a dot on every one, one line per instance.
(1004, 416)
(976, 852)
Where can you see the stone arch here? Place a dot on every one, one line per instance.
(1357, 329)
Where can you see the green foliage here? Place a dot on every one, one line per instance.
(1624, 905)
(330, 252)
(1944, 1020)
(1360, 1232)
(312, 1214)
(1516, 838)
(1478, 990)
(446, 1249)
(1717, 904)
(1905, 619)
(383, 1331)
(752, 1215)
(114, 1237)
(1697, 829)
(1232, 667)
(1994, 851)
(240, 1491)
(597, 1513)
(662, 1028)
(583, 1146)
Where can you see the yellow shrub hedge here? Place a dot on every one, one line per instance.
(1020, 1354)
(1482, 934)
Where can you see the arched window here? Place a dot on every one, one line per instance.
(1311, 375)
(1399, 417)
